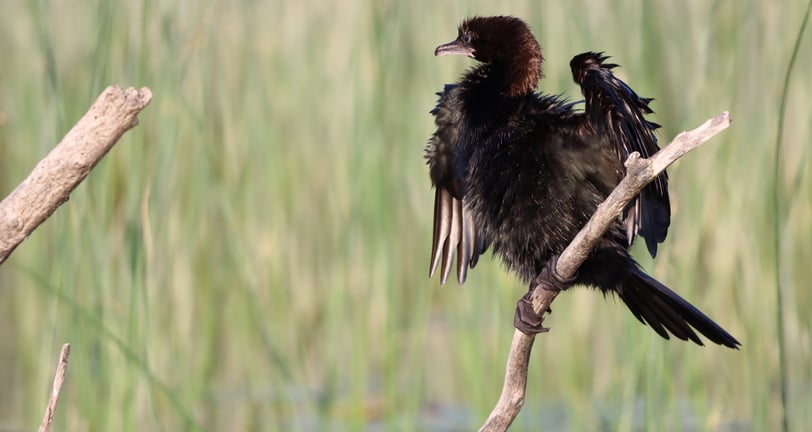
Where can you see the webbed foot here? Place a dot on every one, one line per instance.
(526, 319)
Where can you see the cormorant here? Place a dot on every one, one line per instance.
(522, 173)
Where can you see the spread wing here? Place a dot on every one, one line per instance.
(616, 111)
(454, 227)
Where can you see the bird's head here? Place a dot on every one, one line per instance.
(503, 41)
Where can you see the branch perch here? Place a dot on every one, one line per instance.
(53, 179)
(639, 172)
(59, 378)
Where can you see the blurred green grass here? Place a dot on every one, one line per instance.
(253, 255)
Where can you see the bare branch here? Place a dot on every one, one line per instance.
(59, 378)
(54, 178)
(639, 173)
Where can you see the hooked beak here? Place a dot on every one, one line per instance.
(455, 47)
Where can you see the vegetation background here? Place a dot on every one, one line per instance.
(253, 255)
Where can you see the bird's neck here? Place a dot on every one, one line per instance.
(512, 79)
(523, 77)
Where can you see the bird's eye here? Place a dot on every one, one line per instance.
(466, 37)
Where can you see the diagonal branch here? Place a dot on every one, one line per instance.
(53, 179)
(59, 378)
(639, 172)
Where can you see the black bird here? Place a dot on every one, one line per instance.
(523, 172)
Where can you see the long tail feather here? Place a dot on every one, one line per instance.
(662, 309)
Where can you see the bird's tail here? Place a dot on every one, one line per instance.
(664, 311)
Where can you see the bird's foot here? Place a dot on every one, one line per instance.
(526, 319)
(550, 280)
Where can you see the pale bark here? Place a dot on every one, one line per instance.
(54, 178)
(59, 378)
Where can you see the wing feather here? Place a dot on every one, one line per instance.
(455, 230)
(616, 111)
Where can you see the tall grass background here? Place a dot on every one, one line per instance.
(253, 255)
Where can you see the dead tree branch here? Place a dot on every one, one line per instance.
(59, 378)
(639, 172)
(54, 178)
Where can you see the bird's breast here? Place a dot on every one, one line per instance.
(522, 201)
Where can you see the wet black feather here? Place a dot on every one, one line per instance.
(523, 172)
